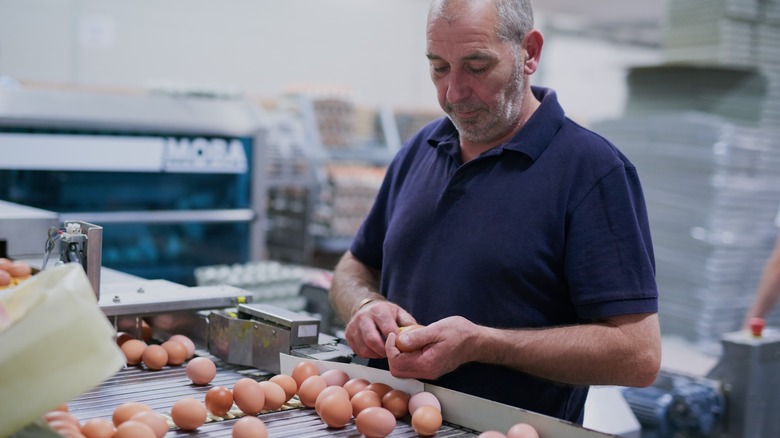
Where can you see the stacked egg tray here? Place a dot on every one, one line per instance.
(161, 389)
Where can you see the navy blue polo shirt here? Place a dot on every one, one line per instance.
(547, 229)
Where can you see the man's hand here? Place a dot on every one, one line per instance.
(371, 325)
(437, 349)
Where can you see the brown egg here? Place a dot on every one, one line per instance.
(249, 396)
(133, 350)
(310, 389)
(335, 409)
(423, 398)
(407, 329)
(155, 421)
(426, 420)
(353, 386)
(397, 402)
(249, 427)
(287, 383)
(19, 269)
(274, 395)
(125, 411)
(134, 429)
(146, 331)
(363, 400)
(375, 422)
(5, 264)
(98, 428)
(335, 377)
(303, 371)
(330, 390)
(201, 370)
(188, 344)
(379, 388)
(154, 357)
(522, 430)
(5, 278)
(188, 414)
(177, 352)
(123, 337)
(219, 400)
(491, 434)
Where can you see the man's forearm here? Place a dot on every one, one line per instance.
(591, 354)
(353, 284)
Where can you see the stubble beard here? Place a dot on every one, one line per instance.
(490, 123)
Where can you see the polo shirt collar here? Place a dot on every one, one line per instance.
(531, 140)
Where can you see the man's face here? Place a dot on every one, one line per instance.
(478, 78)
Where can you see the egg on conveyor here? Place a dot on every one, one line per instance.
(187, 342)
(310, 389)
(188, 413)
(303, 370)
(201, 370)
(287, 383)
(155, 421)
(397, 402)
(125, 411)
(134, 429)
(177, 352)
(5, 278)
(335, 409)
(248, 396)
(98, 428)
(219, 400)
(154, 357)
(522, 430)
(375, 422)
(426, 420)
(249, 427)
(275, 396)
(133, 350)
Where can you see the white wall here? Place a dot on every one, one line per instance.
(374, 48)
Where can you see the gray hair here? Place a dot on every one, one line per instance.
(515, 18)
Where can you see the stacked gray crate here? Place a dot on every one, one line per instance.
(704, 132)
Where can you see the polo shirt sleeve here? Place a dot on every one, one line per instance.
(368, 241)
(609, 255)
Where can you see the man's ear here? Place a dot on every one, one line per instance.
(532, 49)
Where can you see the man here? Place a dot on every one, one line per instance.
(768, 286)
(518, 238)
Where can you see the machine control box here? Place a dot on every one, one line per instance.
(254, 335)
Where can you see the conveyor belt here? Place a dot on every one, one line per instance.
(161, 389)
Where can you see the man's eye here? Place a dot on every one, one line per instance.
(439, 69)
(478, 70)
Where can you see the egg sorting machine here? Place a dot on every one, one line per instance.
(737, 398)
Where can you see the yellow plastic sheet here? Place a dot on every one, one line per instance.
(55, 344)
